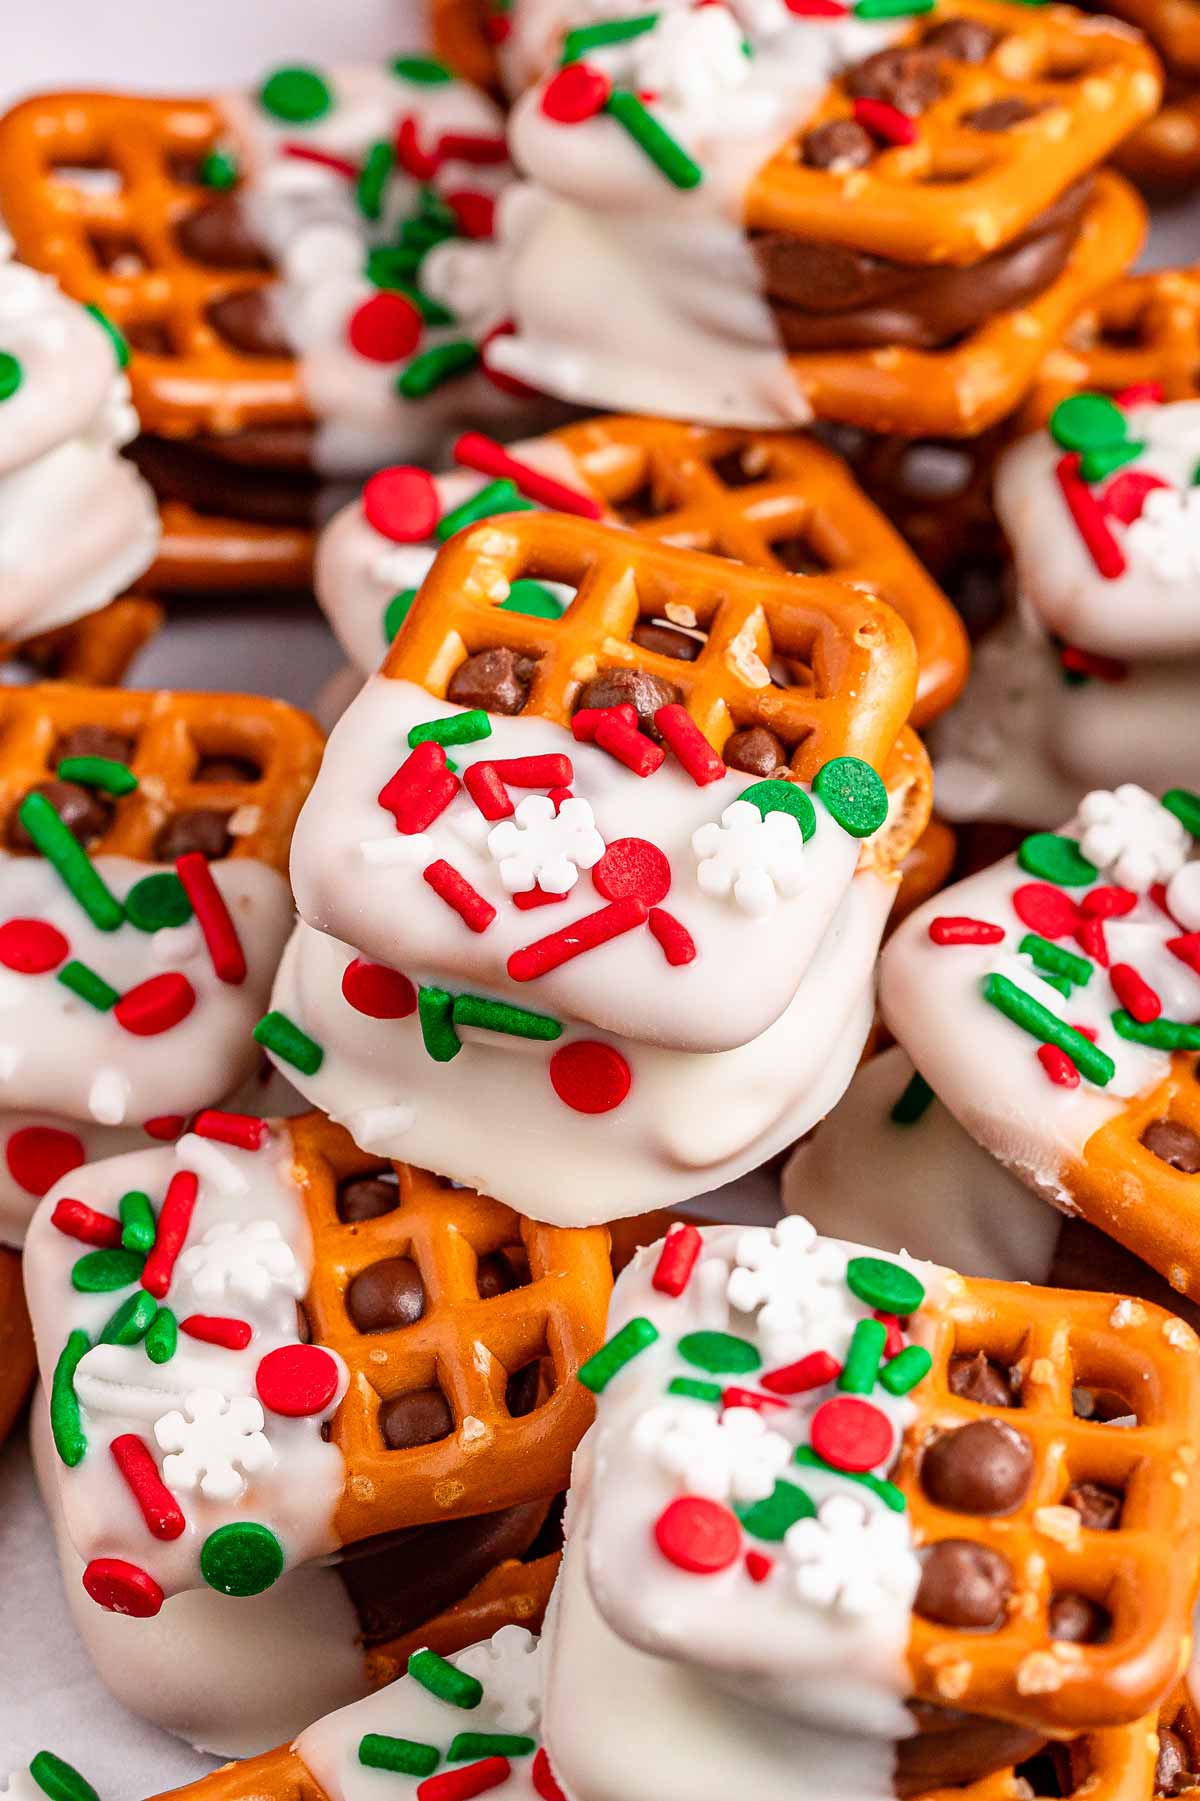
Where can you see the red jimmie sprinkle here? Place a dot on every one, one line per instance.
(377, 991)
(813, 1371)
(1158, 894)
(121, 1587)
(683, 736)
(470, 1779)
(759, 1565)
(485, 150)
(893, 1344)
(887, 123)
(421, 789)
(851, 1434)
(245, 1131)
(1187, 948)
(633, 748)
(224, 947)
(576, 93)
(488, 791)
(1108, 903)
(590, 1077)
(677, 1260)
(584, 723)
(545, 1783)
(507, 384)
(558, 796)
(31, 946)
(156, 1504)
(1045, 909)
(1088, 1032)
(155, 1005)
(1089, 519)
(1135, 994)
(535, 897)
(421, 164)
(174, 1219)
(401, 504)
(384, 329)
(949, 928)
(551, 770)
(308, 153)
(1140, 393)
(297, 1380)
(672, 937)
(534, 960)
(1086, 662)
(474, 211)
(633, 866)
(1089, 936)
(475, 451)
(164, 1126)
(497, 28)
(698, 1535)
(1058, 1066)
(1125, 495)
(39, 1156)
(749, 1397)
(218, 1329)
(475, 912)
(75, 1219)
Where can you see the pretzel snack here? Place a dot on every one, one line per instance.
(18, 1358)
(94, 651)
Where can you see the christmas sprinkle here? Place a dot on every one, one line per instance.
(634, 1337)
(1024, 1011)
(280, 1035)
(442, 1679)
(62, 849)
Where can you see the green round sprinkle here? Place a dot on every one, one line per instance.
(880, 1283)
(297, 96)
(853, 794)
(1056, 859)
(1024, 1011)
(633, 1338)
(104, 773)
(1095, 465)
(433, 367)
(500, 1016)
(424, 70)
(116, 336)
(1186, 807)
(908, 1367)
(277, 1033)
(10, 375)
(864, 1356)
(373, 179)
(444, 1680)
(219, 169)
(914, 1101)
(132, 1320)
(396, 612)
(402, 1756)
(1055, 959)
(458, 728)
(720, 1353)
(241, 1559)
(778, 795)
(692, 1389)
(473, 1747)
(773, 1518)
(533, 598)
(158, 901)
(138, 1226)
(100, 1272)
(435, 1015)
(163, 1337)
(59, 1779)
(1087, 422)
(65, 1425)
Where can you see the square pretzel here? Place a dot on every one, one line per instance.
(96, 650)
(1145, 328)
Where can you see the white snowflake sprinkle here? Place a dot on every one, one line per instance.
(852, 1558)
(790, 1278)
(756, 858)
(544, 847)
(730, 1456)
(251, 1260)
(509, 1667)
(215, 1442)
(1165, 537)
(1183, 896)
(1129, 835)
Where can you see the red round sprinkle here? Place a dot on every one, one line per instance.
(164, 1126)
(121, 1587)
(475, 212)
(633, 866)
(545, 1783)
(384, 329)
(1108, 903)
(39, 1156)
(402, 504)
(759, 1565)
(31, 946)
(297, 1380)
(590, 1077)
(950, 928)
(851, 1434)
(156, 1005)
(576, 93)
(1135, 994)
(698, 1535)
(1045, 909)
(377, 991)
(1058, 1066)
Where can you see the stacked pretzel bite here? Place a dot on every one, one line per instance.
(615, 1228)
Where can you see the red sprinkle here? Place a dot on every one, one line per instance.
(377, 991)
(175, 1216)
(221, 940)
(759, 1565)
(887, 123)
(488, 791)
(156, 1504)
(698, 1535)
(507, 384)
(749, 1397)
(1088, 1032)
(498, 29)
(1135, 994)
(1086, 662)
(851, 1434)
(468, 1780)
(121, 1587)
(893, 1344)
(402, 504)
(1125, 495)
(40, 1156)
(551, 770)
(215, 1328)
(677, 1260)
(683, 736)
(421, 789)
(474, 211)
(1108, 903)
(1089, 936)
(31, 946)
(422, 165)
(558, 796)
(576, 93)
(594, 929)
(1158, 894)
(475, 451)
(584, 723)
(813, 1371)
(535, 897)
(1089, 519)
(156, 1004)
(164, 1126)
(673, 938)
(75, 1219)
(1045, 909)
(1058, 1066)
(458, 894)
(477, 147)
(1140, 393)
(1187, 949)
(949, 928)
(544, 1781)
(297, 1380)
(246, 1131)
(384, 329)
(309, 153)
(590, 1077)
(633, 866)
(633, 748)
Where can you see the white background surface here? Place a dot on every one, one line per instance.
(49, 1697)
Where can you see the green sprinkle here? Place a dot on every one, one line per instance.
(720, 1353)
(116, 337)
(634, 1337)
(435, 1011)
(1056, 859)
(533, 598)
(1186, 807)
(104, 773)
(396, 612)
(577, 44)
(1159, 1034)
(88, 986)
(669, 157)
(852, 792)
(60, 1780)
(158, 901)
(10, 375)
(132, 1320)
(277, 1033)
(914, 1101)
(373, 179)
(773, 1518)
(865, 1354)
(1052, 957)
(60, 847)
(1087, 422)
(433, 367)
(1094, 465)
(471, 1747)
(138, 1227)
(459, 728)
(219, 169)
(908, 1367)
(65, 1424)
(388, 268)
(426, 71)
(888, 1493)
(1060, 983)
(400, 261)
(402, 1756)
(100, 1272)
(499, 1016)
(241, 1559)
(442, 1679)
(778, 795)
(421, 235)
(692, 1389)
(162, 1337)
(298, 96)
(892, 9)
(1040, 1023)
(500, 496)
(433, 210)
(878, 1282)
